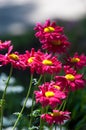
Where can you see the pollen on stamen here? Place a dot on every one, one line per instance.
(47, 62)
(70, 77)
(56, 43)
(30, 60)
(57, 87)
(75, 60)
(56, 114)
(49, 29)
(49, 94)
(14, 56)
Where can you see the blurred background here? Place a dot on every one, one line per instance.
(17, 20)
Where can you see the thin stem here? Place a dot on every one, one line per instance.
(61, 105)
(60, 127)
(33, 101)
(24, 103)
(51, 127)
(41, 121)
(3, 98)
(64, 105)
(55, 127)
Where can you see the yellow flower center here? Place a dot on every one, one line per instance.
(49, 29)
(57, 87)
(30, 60)
(75, 60)
(56, 43)
(47, 62)
(70, 77)
(49, 94)
(14, 56)
(55, 114)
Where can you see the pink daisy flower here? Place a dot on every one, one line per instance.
(48, 95)
(61, 85)
(15, 59)
(48, 30)
(58, 44)
(4, 45)
(48, 64)
(52, 37)
(75, 81)
(56, 117)
(30, 59)
(78, 61)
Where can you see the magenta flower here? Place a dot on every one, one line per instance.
(48, 30)
(31, 61)
(56, 117)
(75, 80)
(5, 45)
(61, 85)
(58, 44)
(48, 95)
(15, 59)
(78, 61)
(48, 64)
(52, 37)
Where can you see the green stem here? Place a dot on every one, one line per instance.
(3, 98)
(24, 103)
(41, 121)
(51, 127)
(61, 105)
(33, 101)
(64, 105)
(55, 127)
(60, 127)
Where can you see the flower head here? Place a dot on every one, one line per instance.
(31, 59)
(48, 64)
(52, 37)
(56, 117)
(14, 58)
(75, 81)
(47, 30)
(5, 45)
(78, 61)
(48, 95)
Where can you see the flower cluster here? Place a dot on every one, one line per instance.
(50, 94)
(52, 37)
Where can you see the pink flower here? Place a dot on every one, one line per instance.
(56, 117)
(48, 64)
(48, 95)
(75, 80)
(4, 45)
(52, 37)
(58, 44)
(78, 61)
(61, 85)
(14, 58)
(48, 30)
(31, 60)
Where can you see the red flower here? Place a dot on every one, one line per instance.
(15, 59)
(61, 85)
(58, 44)
(30, 59)
(48, 95)
(48, 64)
(78, 61)
(75, 81)
(56, 117)
(4, 45)
(48, 30)
(52, 37)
